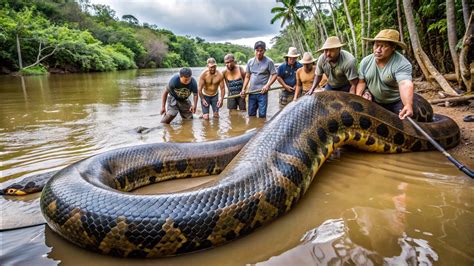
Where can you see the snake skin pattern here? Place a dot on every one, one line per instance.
(263, 181)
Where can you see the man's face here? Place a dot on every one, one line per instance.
(184, 80)
(259, 53)
(291, 60)
(212, 69)
(383, 50)
(332, 54)
(308, 67)
(229, 64)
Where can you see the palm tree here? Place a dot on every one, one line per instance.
(291, 13)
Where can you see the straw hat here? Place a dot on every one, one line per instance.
(211, 62)
(307, 58)
(388, 35)
(330, 43)
(292, 52)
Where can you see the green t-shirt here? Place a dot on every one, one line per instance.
(339, 74)
(383, 81)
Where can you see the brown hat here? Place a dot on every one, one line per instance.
(330, 43)
(388, 35)
(307, 58)
(292, 52)
(211, 62)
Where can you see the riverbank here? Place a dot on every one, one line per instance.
(464, 151)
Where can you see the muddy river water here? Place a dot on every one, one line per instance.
(362, 208)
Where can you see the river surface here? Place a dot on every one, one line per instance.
(362, 208)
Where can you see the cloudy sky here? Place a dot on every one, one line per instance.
(236, 21)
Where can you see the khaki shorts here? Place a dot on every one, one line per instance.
(181, 107)
(286, 98)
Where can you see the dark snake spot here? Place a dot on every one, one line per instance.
(399, 139)
(364, 122)
(358, 107)
(322, 135)
(333, 126)
(416, 146)
(347, 119)
(357, 136)
(382, 130)
(370, 141)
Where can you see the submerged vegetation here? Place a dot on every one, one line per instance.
(76, 36)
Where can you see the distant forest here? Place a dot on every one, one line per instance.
(39, 36)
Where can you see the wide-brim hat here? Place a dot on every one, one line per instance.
(292, 52)
(330, 43)
(307, 58)
(388, 35)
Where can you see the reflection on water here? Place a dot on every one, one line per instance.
(369, 208)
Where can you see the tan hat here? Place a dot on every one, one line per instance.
(330, 43)
(388, 35)
(292, 52)
(211, 62)
(307, 58)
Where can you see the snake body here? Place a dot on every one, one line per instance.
(86, 203)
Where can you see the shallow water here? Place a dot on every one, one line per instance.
(370, 208)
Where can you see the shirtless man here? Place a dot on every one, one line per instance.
(305, 76)
(209, 81)
(234, 80)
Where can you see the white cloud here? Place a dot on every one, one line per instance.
(237, 21)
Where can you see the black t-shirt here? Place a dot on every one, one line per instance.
(179, 90)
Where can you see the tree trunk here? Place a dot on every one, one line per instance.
(465, 63)
(334, 23)
(465, 12)
(320, 19)
(362, 25)
(369, 34)
(351, 26)
(400, 23)
(427, 67)
(452, 38)
(18, 50)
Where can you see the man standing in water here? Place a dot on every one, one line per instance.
(234, 79)
(209, 81)
(287, 76)
(175, 96)
(260, 75)
(338, 65)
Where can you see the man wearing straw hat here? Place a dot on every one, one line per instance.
(305, 75)
(338, 65)
(385, 76)
(287, 76)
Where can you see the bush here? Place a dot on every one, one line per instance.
(34, 70)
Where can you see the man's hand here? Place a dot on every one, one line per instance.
(163, 110)
(219, 103)
(242, 93)
(204, 102)
(264, 89)
(406, 111)
(289, 88)
(192, 109)
(367, 95)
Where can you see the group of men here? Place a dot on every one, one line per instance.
(384, 77)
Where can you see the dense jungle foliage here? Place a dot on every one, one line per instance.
(307, 23)
(76, 36)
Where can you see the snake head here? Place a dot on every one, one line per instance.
(13, 190)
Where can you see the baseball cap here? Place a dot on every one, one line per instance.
(259, 44)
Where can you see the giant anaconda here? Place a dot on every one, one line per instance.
(262, 182)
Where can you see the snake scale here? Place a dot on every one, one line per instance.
(87, 203)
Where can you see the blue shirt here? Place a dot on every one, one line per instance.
(179, 90)
(288, 73)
